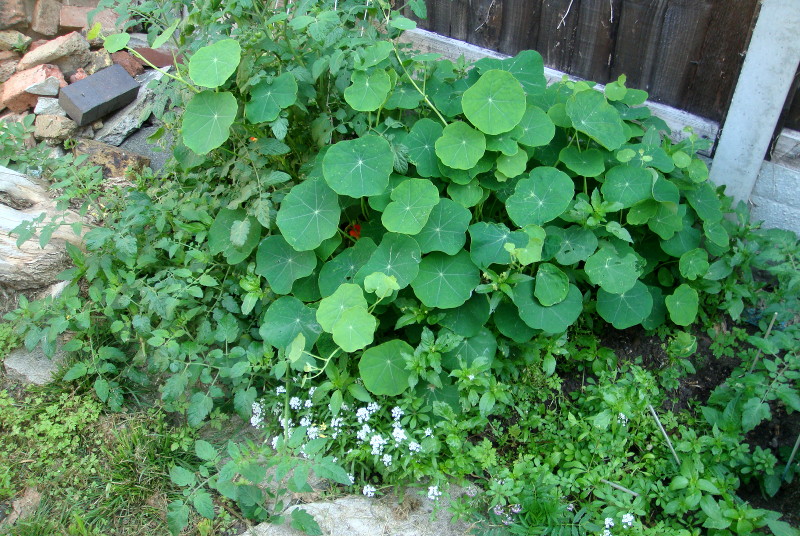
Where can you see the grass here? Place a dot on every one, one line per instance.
(99, 473)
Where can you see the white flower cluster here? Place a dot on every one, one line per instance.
(434, 493)
(377, 442)
(369, 491)
(257, 419)
(626, 521)
(622, 419)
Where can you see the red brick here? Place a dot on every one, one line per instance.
(46, 15)
(14, 95)
(8, 55)
(82, 3)
(12, 13)
(80, 74)
(159, 58)
(76, 18)
(36, 44)
(128, 62)
(7, 69)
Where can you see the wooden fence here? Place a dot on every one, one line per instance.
(685, 53)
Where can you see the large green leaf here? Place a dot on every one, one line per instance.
(285, 319)
(570, 245)
(592, 115)
(508, 322)
(344, 267)
(481, 346)
(269, 97)
(445, 229)
(551, 285)
(667, 220)
(495, 103)
(421, 146)
(460, 146)
(627, 185)
(527, 67)
(368, 92)
(542, 197)
(586, 163)
(612, 272)
(207, 120)
(234, 234)
(535, 128)
(445, 281)
(281, 264)
(383, 368)
(359, 167)
(412, 203)
(397, 255)
(309, 214)
(488, 240)
(705, 201)
(355, 329)
(213, 64)
(682, 305)
(513, 165)
(554, 319)
(331, 308)
(468, 319)
(625, 309)
(694, 264)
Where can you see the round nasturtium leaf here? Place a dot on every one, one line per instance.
(309, 214)
(507, 320)
(684, 240)
(668, 220)
(554, 319)
(412, 203)
(542, 197)
(482, 346)
(421, 146)
(488, 240)
(535, 129)
(383, 368)
(397, 255)
(625, 309)
(593, 115)
(287, 317)
(367, 92)
(495, 103)
(445, 281)
(281, 264)
(354, 330)
(682, 305)
(207, 120)
(379, 202)
(628, 185)
(344, 267)
(466, 195)
(572, 244)
(658, 314)
(513, 165)
(460, 146)
(468, 319)
(613, 273)
(551, 285)
(234, 234)
(445, 229)
(504, 143)
(586, 163)
(213, 64)
(359, 167)
(116, 42)
(331, 308)
(268, 98)
(705, 201)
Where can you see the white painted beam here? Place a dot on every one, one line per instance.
(764, 83)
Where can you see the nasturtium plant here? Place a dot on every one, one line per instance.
(234, 234)
(269, 97)
(625, 309)
(445, 281)
(445, 229)
(591, 114)
(213, 64)
(207, 120)
(495, 103)
(550, 319)
(411, 205)
(368, 92)
(541, 197)
(359, 167)
(285, 319)
(683, 305)
(281, 264)
(331, 308)
(460, 146)
(383, 368)
(309, 214)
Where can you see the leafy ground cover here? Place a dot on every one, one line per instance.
(408, 270)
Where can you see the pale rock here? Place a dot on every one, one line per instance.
(46, 15)
(54, 127)
(11, 39)
(14, 94)
(47, 88)
(7, 69)
(123, 123)
(32, 366)
(12, 13)
(49, 106)
(98, 60)
(67, 50)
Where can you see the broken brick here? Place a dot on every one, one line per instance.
(128, 62)
(46, 16)
(14, 94)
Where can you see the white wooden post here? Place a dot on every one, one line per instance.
(761, 91)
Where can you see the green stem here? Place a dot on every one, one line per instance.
(424, 96)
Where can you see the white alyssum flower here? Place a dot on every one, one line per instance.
(414, 447)
(377, 442)
(275, 442)
(609, 522)
(311, 391)
(397, 413)
(368, 490)
(387, 460)
(295, 403)
(399, 434)
(362, 415)
(308, 403)
(627, 520)
(428, 432)
(257, 419)
(351, 478)
(373, 407)
(622, 419)
(280, 390)
(312, 432)
(362, 434)
(434, 493)
(305, 421)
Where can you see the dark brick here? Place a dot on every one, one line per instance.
(97, 95)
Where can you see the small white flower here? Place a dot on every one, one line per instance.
(295, 403)
(368, 490)
(434, 493)
(305, 421)
(414, 447)
(609, 522)
(397, 412)
(622, 419)
(280, 390)
(336, 422)
(312, 432)
(275, 443)
(345, 407)
(627, 520)
(308, 403)
(362, 415)
(362, 434)
(257, 419)
(387, 460)
(399, 434)
(352, 478)
(372, 407)
(311, 391)
(377, 442)
(570, 507)
(428, 432)
(606, 532)
(471, 377)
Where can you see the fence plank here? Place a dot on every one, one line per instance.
(520, 25)
(638, 37)
(595, 39)
(557, 27)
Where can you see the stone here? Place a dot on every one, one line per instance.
(22, 508)
(6, 55)
(98, 60)
(80, 74)
(7, 70)
(32, 366)
(49, 87)
(123, 123)
(46, 16)
(62, 48)
(128, 62)
(49, 106)
(114, 161)
(54, 127)
(158, 153)
(11, 40)
(14, 94)
(12, 13)
(77, 18)
(98, 95)
(37, 43)
(82, 3)
(159, 57)
(11, 117)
